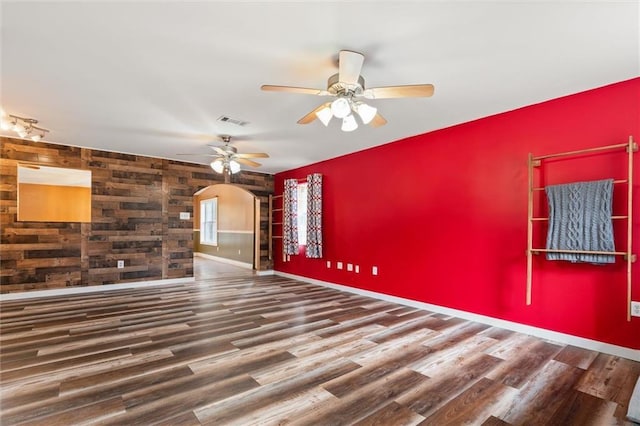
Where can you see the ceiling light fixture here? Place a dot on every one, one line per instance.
(234, 166)
(366, 112)
(325, 115)
(217, 165)
(24, 127)
(349, 123)
(343, 108)
(222, 165)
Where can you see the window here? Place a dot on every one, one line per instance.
(302, 214)
(209, 222)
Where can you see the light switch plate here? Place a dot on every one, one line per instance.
(185, 215)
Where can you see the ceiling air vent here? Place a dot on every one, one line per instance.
(230, 120)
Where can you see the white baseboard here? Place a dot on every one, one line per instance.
(267, 272)
(90, 289)
(567, 339)
(224, 260)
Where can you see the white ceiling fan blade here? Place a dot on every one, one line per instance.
(378, 121)
(292, 89)
(350, 65)
(409, 91)
(312, 115)
(252, 155)
(219, 150)
(246, 162)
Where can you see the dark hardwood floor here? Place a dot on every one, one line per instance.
(234, 348)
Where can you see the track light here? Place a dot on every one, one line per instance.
(24, 127)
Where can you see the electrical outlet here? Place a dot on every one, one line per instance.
(328, 264)
(120, 264)
(357, 269)
(349, 267)
(374, 270)
(635, 309)
(339, 265)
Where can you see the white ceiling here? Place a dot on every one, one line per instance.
(152, 77)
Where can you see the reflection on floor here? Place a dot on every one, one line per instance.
(204, 268)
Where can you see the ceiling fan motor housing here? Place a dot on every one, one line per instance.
(337, 87)
(228, 148)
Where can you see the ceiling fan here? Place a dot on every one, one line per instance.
(348, 87)
(227, 159)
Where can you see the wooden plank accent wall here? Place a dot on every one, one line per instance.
(136, 205)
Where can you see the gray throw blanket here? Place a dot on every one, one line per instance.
(580, 219)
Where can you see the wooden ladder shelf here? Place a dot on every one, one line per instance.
(629, 257)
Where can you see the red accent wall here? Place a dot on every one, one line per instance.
(443, 215)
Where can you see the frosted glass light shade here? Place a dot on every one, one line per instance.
(324, 115)
(366, 112)
(234, 166)
(217, 166)
(340, 108)
(349, 123)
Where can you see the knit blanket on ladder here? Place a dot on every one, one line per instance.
(580, 219)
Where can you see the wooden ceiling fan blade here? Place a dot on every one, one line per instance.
(378, 121)
(349, 66)
(409, 91)
(253, 155)
(292, 89)
(246, 162)
(312, 115)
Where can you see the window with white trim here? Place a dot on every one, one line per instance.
(209, 222)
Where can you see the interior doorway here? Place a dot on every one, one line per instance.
(226, 230)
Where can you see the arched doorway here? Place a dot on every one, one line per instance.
(226, 226)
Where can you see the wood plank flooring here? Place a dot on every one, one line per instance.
(243, 350)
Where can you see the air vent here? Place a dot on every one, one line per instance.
(230, 120)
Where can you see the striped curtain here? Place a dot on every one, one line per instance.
(314, 216)
(290, 216)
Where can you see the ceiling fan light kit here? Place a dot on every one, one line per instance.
(348, 85)
(220, 165)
